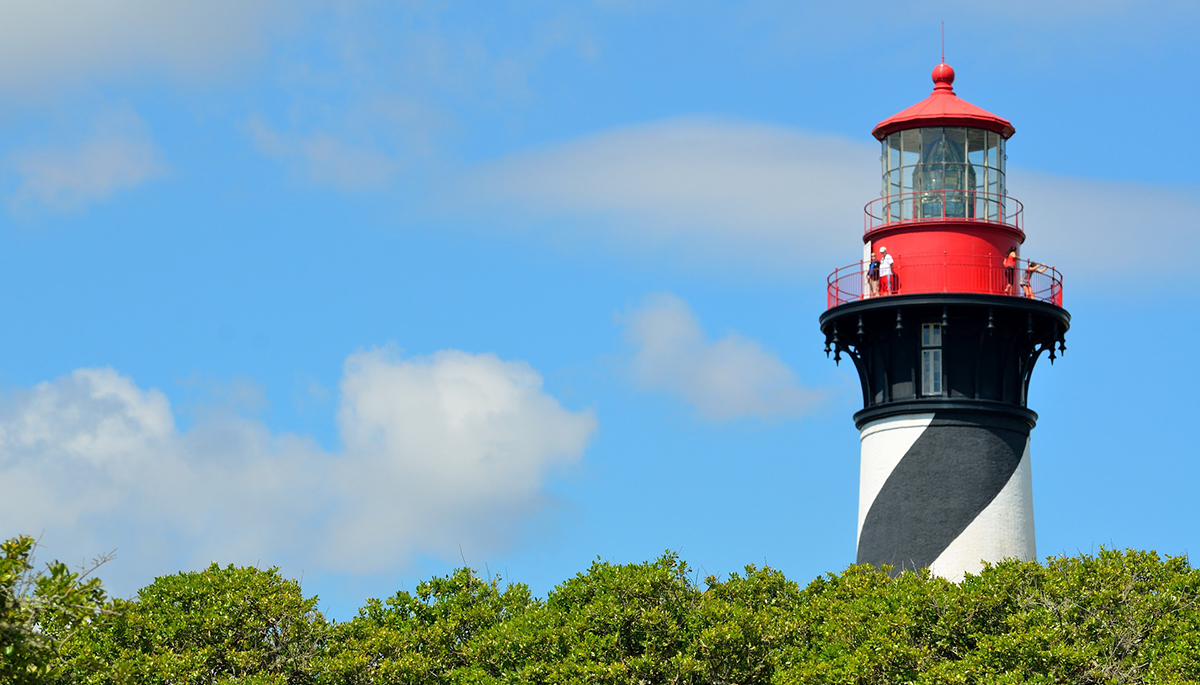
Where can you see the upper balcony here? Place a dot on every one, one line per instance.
(947, 273)
(974, 206)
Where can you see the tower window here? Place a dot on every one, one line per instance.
(931, 359)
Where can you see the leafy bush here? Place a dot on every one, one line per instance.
(1113, 617)
(38, 611)
(219, 625)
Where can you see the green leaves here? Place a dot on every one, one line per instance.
(38, 611)
(220, 625)
(1113, 617)
(1116, 617)
(448, 627)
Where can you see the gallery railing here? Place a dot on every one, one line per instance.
(944, 273)
(943, 205)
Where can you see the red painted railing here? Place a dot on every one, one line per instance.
(943, 205)
(913, 274)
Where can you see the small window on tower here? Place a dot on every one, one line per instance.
(931, 359)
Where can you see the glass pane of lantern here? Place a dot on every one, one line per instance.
(976, 146)
(911, 147)
(960, 176)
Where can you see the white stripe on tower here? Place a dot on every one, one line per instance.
(884, 443)
(1003, 530)
(945, 490)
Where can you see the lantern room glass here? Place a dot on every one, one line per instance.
(943, 173)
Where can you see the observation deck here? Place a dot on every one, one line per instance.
(948, 273)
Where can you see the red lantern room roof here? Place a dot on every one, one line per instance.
(943, 108)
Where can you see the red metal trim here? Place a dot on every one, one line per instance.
(994, 124)
(943, 108)
(943, 273)
(907, 209)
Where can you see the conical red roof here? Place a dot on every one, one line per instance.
(943, 108)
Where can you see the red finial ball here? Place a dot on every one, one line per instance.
(943, 73)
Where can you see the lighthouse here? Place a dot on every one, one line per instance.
(944, 319)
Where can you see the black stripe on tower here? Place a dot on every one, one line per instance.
(954, 470)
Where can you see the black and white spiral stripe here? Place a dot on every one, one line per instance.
(945, 490)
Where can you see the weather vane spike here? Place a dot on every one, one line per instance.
(943, 41)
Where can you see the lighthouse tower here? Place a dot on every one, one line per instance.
(944, 321)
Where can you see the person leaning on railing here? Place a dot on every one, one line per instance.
(1030, 269)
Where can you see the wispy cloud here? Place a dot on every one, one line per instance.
(1027, 29)
(119, 154)
(381, 105)
(725, 378)
(741, 190)
(323, 158)
(1096, 229)
(45, 44)
(439, 452)
(756, 195)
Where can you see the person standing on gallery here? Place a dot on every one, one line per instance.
(1010, 270)
(1030, 270)
(885, 272)
(873, 275)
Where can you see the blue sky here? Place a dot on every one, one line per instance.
(367, 289)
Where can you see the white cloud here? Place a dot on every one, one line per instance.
(70, 447)
(1100, 229)
(723, 379)
(767, 196)
(447, 450)
(438, 452)
(119, 154)
(47, 43)
(747, 191)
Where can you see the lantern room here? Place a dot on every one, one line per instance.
(943, 172)
(943, 158)
(943, 215)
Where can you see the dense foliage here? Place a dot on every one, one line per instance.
(221, 625)
(1113, 617)
(38, 609)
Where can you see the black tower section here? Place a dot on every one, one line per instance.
(989, 345)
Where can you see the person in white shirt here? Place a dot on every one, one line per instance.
(885, 272)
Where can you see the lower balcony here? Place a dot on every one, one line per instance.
(944, 273)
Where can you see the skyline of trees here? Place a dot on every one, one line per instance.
(1113, 617)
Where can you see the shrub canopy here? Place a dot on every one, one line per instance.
(1112, 617)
